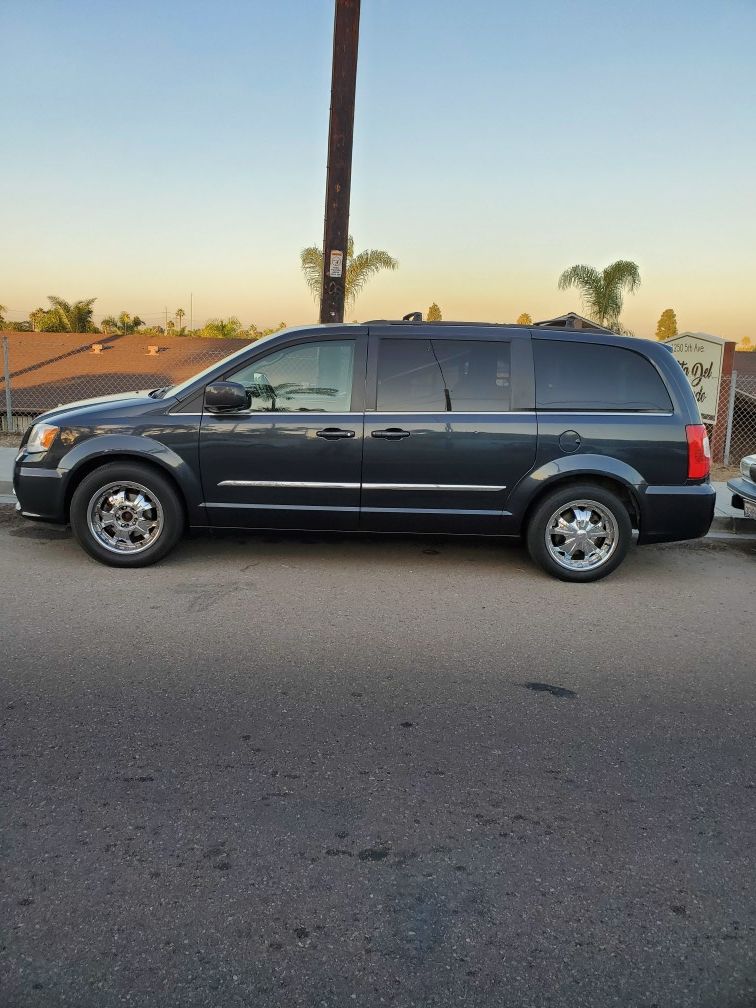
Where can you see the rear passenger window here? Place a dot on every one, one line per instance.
(409, 378)
(415, 375)
(476, 374)
(589, 376)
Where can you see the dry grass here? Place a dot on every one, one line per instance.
(722, 473)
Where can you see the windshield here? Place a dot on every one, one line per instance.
(177, 390)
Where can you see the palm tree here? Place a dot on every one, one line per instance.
(359, 269)
(76, 317)
(180, 316)
(602, 293)
(524, 319)
(124, 324)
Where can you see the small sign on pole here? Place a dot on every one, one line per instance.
(336, 264)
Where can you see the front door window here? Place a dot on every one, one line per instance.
(307, 378)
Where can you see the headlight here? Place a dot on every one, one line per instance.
(41, 437)
(747, 466)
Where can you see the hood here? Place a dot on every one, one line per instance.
(83, 406)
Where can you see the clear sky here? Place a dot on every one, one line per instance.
(158, 147)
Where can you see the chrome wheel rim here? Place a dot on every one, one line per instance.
(582, 535)
(125, 517)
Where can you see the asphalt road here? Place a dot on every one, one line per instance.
(291, 771)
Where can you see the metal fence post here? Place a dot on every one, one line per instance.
(730, 415)
(6, 376)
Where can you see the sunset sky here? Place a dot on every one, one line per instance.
(158, 147)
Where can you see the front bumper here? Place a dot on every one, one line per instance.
(675, 513)
(41, 493)
(742, 490)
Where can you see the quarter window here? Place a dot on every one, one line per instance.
(591, 376)
(308, 377)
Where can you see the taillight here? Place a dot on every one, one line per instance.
(699, 453)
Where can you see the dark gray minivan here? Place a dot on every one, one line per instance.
(571, 439)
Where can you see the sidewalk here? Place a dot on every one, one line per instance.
(726, 517)
(7, 455)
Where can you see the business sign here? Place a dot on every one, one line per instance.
(700, 357)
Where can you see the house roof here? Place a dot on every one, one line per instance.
(573, 321)
(48, 369)
(744, 362)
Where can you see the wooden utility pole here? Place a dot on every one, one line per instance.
(346, 33)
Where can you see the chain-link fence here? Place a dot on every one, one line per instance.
(39, 371)
(742, 418)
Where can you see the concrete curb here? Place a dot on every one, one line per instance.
(741, 526)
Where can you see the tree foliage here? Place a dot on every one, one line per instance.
(23, 326)
(63, 316)
(359, 269)
(123, 323)
(524, 319)
(218, 328)
(666, 327)
(231, 328)
(253, 333)
(603, 292)
(434, 313)
(746, 345)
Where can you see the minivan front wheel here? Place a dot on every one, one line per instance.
(579, 533)
(126, 515)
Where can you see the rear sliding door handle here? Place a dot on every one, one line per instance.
(391, 434)
(335, 433)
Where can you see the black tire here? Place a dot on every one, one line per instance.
(167, 516)
(536, 533)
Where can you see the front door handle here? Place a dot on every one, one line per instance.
(391, 434)
(335, 433)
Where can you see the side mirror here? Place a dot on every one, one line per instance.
(226, 397)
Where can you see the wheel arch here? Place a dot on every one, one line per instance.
(94, 462)
(625, 491)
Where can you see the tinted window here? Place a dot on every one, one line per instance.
(589, 376)
(476, 374)
(312, 377)
(409, 377)
(413, 375)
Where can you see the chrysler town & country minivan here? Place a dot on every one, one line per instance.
(574, 440)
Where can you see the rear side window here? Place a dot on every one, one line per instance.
(589, 376)
(416, 375)
(476, 374)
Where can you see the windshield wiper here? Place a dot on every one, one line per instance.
(159, 393)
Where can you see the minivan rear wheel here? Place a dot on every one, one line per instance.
(126, 515)
(579, 533)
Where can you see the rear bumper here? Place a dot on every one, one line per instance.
(742, 490)
(674, 513)
(41, 493)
